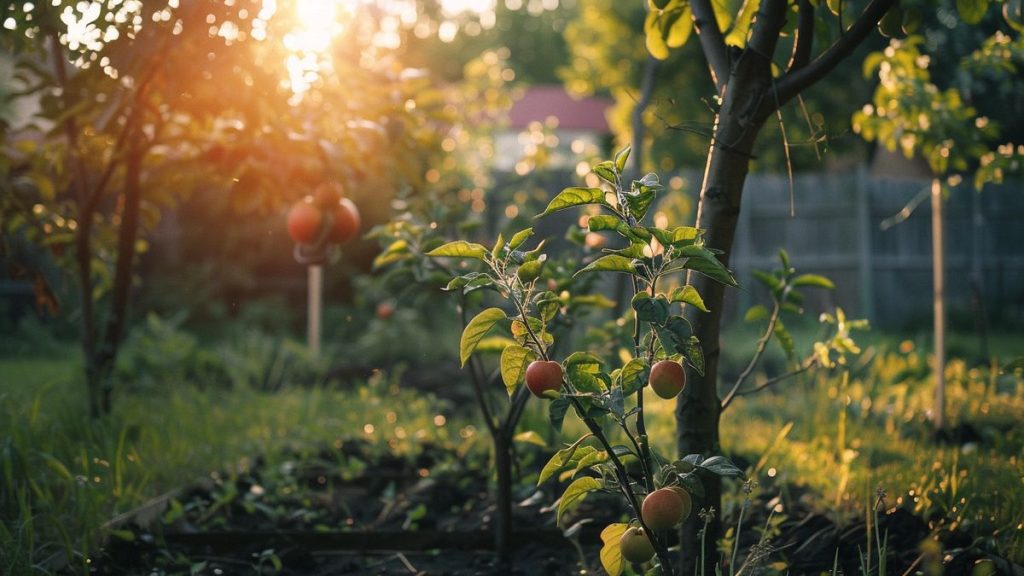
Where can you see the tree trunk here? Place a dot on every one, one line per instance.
(83, 260)
(737, 124)
(128, 234)
(503, 496)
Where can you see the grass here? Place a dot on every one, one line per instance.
(847, 434)
(64, 475)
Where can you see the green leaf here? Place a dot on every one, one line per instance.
(561, 459)
(814, 280)
(694, 354)
(611, 554)
(477, 328)
(606, 171)
(653, 310)
(680, 29)
(633, 375)
(575, 494)
(741, 26)
(704, 261)
(653, 38)
(582, 359)
(620, 159)
(674, 335)
(607, 222)
(519, 237)
(755, 313)
(721, 466)
(493, 344)
(547, 304)
(556, 412)
(530, 271)
(972, 11)
(575, 197)
(530, 437)
(592, 459)
(689, 295)
(514, 360)
(499, 244)
(640, 201)
(610, 263)
(595, 300)
(460, 249)
(395, 252)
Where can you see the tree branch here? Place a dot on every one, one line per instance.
(762, 343)
(804, 42)
(712, 42)
(775, 380)
(798, 80)
(771, 16)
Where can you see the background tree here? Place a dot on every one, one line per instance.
(760, 56)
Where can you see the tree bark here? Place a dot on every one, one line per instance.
(128, 234)
(503, 496)
(747, 101)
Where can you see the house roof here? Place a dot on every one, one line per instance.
(540, 102)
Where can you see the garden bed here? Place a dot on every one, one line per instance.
(349, 511)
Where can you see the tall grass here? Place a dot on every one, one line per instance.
(63, 476)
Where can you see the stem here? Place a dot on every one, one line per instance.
(762, 344)
(659, 547)
(736, 542)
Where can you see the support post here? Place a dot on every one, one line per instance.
(864, 246)
(938, 280)
(314, 310)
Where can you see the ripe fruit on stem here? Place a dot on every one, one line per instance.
(686, 498)
(543, 375)
(304, 222)
(667, 379)
(662, 509)
(346, 221)
(635, 545)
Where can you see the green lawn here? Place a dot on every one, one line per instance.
(64, 476)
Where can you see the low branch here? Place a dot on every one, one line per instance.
(712, 42)
(804, 42)
(767, 25)
(762, 344)
(776, 379)
(798, 80)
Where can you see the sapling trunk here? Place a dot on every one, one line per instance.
(503, 496)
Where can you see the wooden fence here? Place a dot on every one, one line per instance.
(883, 273)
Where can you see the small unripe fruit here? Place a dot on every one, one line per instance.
(346, 221)
(667, 379)
(686, 498)
(304, 222)
(635, 545)
(662, 509)
(543, 375)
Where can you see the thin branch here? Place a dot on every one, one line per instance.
(765, 29)
(620, 469)
(476, 377)
(776, 379)
(804, 42)
(798, 80)
(785, 148)
(712, 42)
(762, 344)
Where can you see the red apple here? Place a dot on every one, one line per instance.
(662, 509)
(667, 378)
(346, 221)
(304, 222)
(543, 375)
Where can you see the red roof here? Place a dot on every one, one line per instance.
(539, 102)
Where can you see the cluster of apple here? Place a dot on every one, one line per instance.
(662, 509)
(667, 378)
(325, 217)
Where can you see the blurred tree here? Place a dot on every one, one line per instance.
(242, 105)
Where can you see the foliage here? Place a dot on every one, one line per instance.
(595, 393)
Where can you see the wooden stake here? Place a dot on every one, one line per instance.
(315, 279)
(938, 280)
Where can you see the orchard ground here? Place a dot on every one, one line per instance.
(828, 448)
